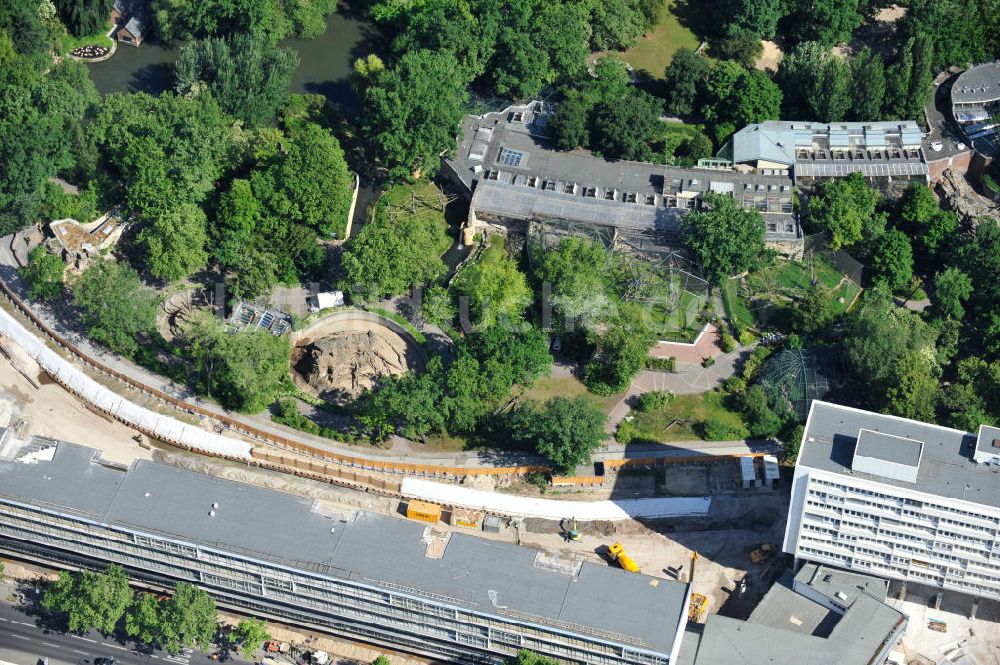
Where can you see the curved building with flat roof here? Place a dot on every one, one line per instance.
(974, 91)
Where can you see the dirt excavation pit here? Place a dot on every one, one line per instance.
(347, 353)
(178, 311)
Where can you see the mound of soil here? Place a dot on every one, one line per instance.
(343, 364)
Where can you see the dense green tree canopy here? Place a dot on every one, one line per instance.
(755, 18)
(891, 353)
(245, 371)
(622, 129)
(84, 17)
(268, 227)
(190, 19)
(175, 242)
(816, 84)
(250, 634)
(845, 207)
(413, 110)
(868, 86)
(574, 273)
(166, 150)
(683, 80)
(619, 354)
(726, 238)
(952, 287)
(43, 274)
(456, 399)
(246, 74)
(117, 309)
(892, 260)
(496, 289)
(390, 255)
(567, 430)
(735, 96)
(828, 22)
(90, 600)
(188, 619)
(39, 116)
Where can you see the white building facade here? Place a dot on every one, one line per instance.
(898, 499)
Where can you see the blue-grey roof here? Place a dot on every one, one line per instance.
(481, 575)
(134, 25)
(946, 467)
(888, 448)
(830, 581)
(766, 142)
(977, 85)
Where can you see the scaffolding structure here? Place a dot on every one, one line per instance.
(793, 378)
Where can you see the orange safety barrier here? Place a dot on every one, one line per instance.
(577, 481)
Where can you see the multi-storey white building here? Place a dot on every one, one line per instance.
(899, 499)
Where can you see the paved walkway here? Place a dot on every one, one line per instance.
(689, 379)
(705, 346)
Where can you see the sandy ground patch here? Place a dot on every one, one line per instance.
(771, 56)
(50, 411)
(891, 14)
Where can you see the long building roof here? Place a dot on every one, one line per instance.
(946, 466)
(508, 155)
(464, 571)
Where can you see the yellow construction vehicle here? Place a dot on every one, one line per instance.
(697, 607)
(617, 553)
(762, 552)
(572, 533)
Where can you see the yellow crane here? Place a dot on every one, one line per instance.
(699, 602)
(617, 553)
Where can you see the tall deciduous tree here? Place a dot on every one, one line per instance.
(250, 634)
(189, 618)
(845, 208)
(118, 310)
(175, 242)
(952, 287)
(44, 274)
(815, 84)
(413, 111)
(756, 18)
(735, 96)
(496, 289)
(892, 259)
(247, 75)
(84, 17)
(166, 150)
(828, 22)
(622, 129)
(726, 238)
(90, 600)
(683, 79)
(566, 430)
(868, 86)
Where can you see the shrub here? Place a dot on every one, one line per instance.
(727, 342)
(735, 385)
(656, 399)
(708, 362)
(627, 432)
(538, 480)
(747, 338)
(715, 429)
(662, 364)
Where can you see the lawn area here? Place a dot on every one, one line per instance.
(736, 307)
(656, 48)
(423, 200)
(69, 42)
(678, 421)
(568, 386)
(772, 290)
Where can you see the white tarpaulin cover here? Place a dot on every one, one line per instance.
(160, 426)
(554, 509)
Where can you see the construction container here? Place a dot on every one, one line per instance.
(470, 519)
(423, 511)
(492, 524)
